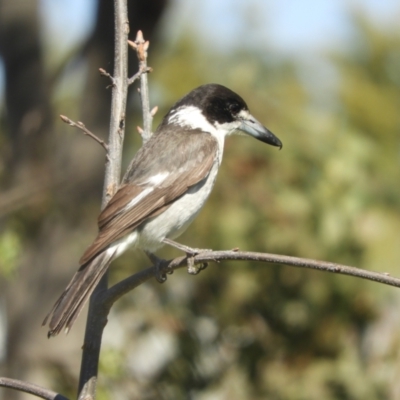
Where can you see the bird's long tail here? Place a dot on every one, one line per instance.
(69, 305)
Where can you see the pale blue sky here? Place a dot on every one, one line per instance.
(292, 27)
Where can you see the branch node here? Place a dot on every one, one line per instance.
(138, 74)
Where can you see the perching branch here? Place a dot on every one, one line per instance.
(110, 296)
(86, 131)
(30, 388)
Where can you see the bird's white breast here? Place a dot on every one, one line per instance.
(175, 219)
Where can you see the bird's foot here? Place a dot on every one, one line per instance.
(193, 269)
(186, 249)
(162, 267)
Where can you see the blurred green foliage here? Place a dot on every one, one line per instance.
(10, 248)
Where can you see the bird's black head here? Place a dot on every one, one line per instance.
(217, 103)
(218, 110)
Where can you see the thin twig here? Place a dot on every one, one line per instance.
(119, 289)
(86, 131)
(103, 72)
(30, 388)
(141, 46)
(95, 323)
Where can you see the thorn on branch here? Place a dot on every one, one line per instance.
(86, 131)
(154, 111)
(141, 131)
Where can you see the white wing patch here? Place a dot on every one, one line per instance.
(157, 179)
(139, 197)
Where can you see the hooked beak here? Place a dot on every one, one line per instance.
(256, 129)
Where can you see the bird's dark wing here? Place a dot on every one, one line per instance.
(185, 165)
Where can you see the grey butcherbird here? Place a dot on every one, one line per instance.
(164, 188)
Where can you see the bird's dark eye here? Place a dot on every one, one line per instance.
(234, 108)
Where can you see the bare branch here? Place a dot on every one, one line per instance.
(30, 388)
(119, 289)
(95, 322)
(141, 46)
(86, 131)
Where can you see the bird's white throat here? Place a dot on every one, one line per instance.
(191, 117)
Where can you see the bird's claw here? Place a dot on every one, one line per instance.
(162, 269)
(191, 253)
(194, 269)
(161, 266)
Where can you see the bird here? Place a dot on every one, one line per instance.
(164, 188)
